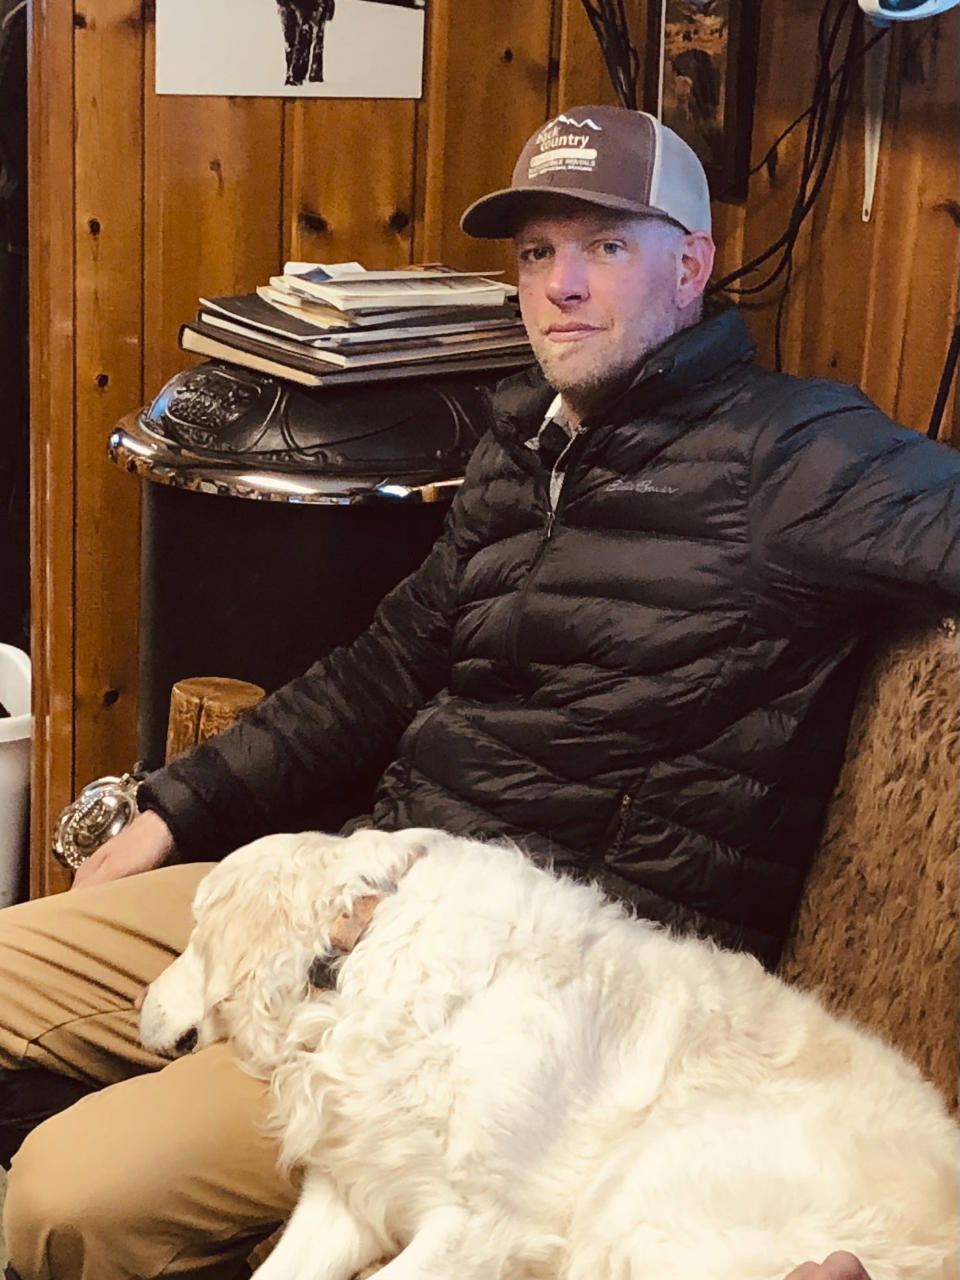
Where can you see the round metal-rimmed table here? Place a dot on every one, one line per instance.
(253, 570)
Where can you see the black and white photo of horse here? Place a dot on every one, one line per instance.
(304, 23)
(302, 48)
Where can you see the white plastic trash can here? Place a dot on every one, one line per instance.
(16, 732)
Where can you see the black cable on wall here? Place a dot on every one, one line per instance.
(839, 50)
(839, 28)
(609, 21)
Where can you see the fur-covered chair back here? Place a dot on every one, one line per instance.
(877, 930)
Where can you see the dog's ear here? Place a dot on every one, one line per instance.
(345, 932)
(349, 925)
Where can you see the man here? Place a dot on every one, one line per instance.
(632, 649)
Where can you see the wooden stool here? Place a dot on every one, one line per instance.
(203, 706)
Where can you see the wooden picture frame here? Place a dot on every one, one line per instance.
(700, 74)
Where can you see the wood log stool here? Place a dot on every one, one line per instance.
(203, 706)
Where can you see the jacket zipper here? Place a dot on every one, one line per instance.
(616, 844)
(554, 488)
(626, 804)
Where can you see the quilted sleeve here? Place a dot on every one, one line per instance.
(341, 718)
(851, 511)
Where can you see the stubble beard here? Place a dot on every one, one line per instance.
(585, 384)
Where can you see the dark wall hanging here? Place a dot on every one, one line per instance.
(291, 48)
(700, 72)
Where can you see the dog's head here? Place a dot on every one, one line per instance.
(272, 921)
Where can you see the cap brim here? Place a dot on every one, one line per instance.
(499, 215)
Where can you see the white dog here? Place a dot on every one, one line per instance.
(502, 1074)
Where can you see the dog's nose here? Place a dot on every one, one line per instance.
(187, 1042)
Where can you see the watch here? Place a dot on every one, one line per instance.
(101, 810)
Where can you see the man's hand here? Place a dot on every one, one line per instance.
(838, 1266)
(141, 846)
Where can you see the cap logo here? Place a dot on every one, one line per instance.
(585, 123)
(561, 150)
(599, 155)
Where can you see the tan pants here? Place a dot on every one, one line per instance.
(163, 1173)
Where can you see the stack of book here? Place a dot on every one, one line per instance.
(325, 324)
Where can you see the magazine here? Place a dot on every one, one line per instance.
(308, 369)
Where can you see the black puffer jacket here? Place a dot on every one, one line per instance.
(651, 683)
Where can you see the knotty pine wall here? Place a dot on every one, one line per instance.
(139, 203)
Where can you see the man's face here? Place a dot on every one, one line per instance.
(598, 290)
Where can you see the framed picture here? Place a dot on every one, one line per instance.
(290, 48)
(699, 78)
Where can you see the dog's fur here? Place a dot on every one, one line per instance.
(514, 1078)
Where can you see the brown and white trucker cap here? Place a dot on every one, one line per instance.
(608, 156)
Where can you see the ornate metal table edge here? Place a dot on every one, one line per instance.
(135, 448)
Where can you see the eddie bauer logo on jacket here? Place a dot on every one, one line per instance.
(562, 148)
(640, 486)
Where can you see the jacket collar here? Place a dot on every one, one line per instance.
(684, 363)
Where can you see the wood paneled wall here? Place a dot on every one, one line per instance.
(139, 203)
